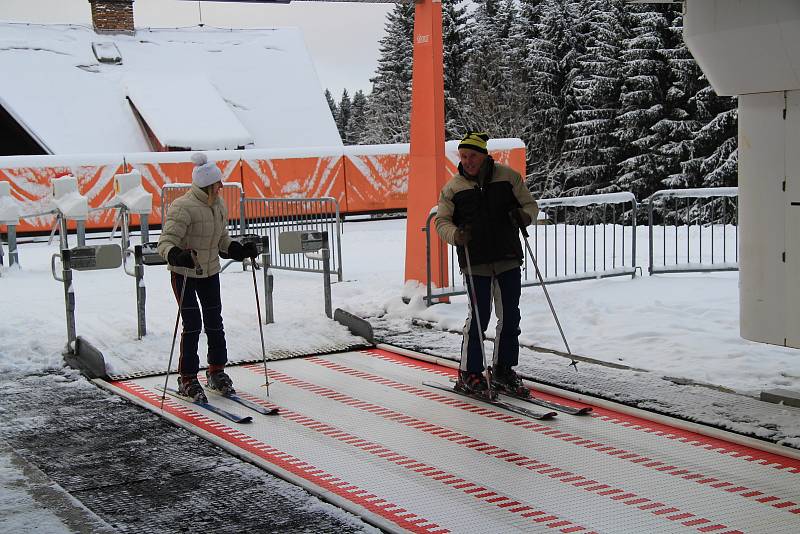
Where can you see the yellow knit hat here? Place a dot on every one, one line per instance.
(475, 141)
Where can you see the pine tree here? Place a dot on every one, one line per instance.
(645, 71)
(680, 123)
(487, 100)
(455, 45)
(343, 124)
(591, 150)
(357, 122)
(550, 60)
(332, 106)
(389, 106)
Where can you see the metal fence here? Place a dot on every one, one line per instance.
(271, 216)
(232, 194)
(703, 234)
(576, 238)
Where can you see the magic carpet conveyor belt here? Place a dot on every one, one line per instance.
(361, 430)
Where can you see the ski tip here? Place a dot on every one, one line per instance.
(246, 419)
(549, 415)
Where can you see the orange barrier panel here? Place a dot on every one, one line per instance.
(376, 182)
(31, 186)
(298, 177)
(364, 179)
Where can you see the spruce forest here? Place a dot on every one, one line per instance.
(605, 94)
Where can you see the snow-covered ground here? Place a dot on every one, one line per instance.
(683, 325)
(678, 325)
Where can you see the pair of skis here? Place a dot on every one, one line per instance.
(571, 410)
(236, 418)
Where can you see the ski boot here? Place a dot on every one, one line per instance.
(472, 384)
(189, 386)
(506, 380)
(219, 381)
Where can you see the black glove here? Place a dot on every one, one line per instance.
(521, 217)
(463, 236)
(250, 250)
(178, 257)
(236, 251)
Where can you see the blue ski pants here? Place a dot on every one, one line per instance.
(504, 289)
(207, 291)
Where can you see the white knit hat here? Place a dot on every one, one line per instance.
(204, 173)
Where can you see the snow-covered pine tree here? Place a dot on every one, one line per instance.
(357, 122)
(332, 105)
(645, 70)
(487, 100)
(717, 140)
(455, 45)
(550, 59)
(344, 118)
(389, 105)
(591, 151)
(680, 123)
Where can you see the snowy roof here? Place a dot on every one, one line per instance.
(182, 80)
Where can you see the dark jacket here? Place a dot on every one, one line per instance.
(484, 204)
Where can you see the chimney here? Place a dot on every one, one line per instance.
(112, 16)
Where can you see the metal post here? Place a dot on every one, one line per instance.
(650, 232)
(12, 245)
(633, 239)
(69, 299)
(124, 231)
(63, 232)
(141, 293)
(326, 263)
(81, 225)
(269, 315)
(144, 223)
(428, 282)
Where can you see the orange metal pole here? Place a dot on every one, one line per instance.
(427, 174)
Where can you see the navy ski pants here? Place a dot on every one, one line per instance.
(504, 289)
(208, 293)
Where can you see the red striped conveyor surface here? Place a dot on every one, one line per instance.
(362, 431)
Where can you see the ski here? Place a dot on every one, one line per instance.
(247, 403)
(208, 406)
(498, 403)
(571, 410)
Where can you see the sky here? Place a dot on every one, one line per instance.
(342, 38)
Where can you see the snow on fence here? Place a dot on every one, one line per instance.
(703, 236)
(568, 245)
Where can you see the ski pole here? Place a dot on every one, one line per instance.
(524, 231)
(260, 327)
(174, 336)
(488, 368)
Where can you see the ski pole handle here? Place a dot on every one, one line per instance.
(517, 218)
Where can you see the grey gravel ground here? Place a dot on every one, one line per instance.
(102, 464)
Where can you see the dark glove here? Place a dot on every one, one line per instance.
(463, 236)
(236, 251)
(521, 217)
(250, 250)
(178, 257)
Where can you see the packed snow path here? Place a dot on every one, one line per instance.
(360, 429)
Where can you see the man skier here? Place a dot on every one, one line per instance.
(193, 236)
(480, 211)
